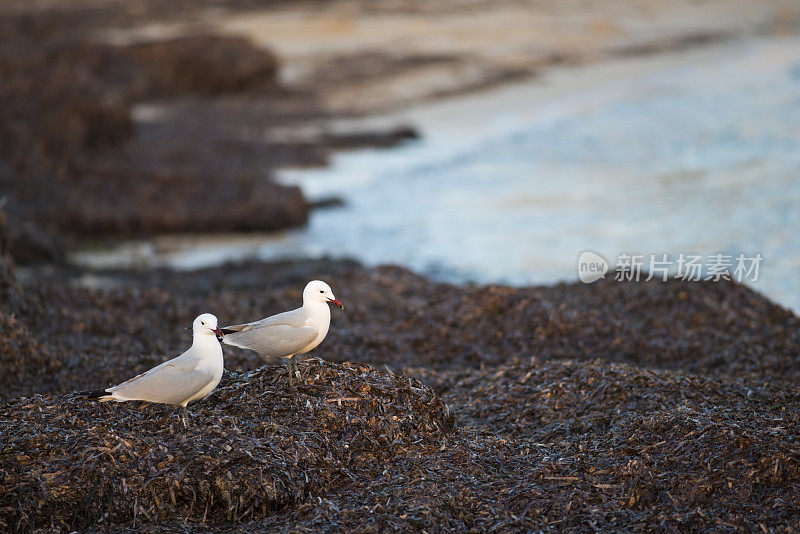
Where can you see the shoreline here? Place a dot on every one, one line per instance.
(452, 129)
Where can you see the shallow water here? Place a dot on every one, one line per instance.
(694, 153)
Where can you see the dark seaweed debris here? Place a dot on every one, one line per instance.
(98, 138)
(559, 445)
(613, 406)
(585, 446)
(394, 317)
(256, 447)
(628, 445)
(75, 162)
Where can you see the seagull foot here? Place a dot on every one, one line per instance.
(185, 417)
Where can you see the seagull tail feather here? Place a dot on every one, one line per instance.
(232, 341)
(100, 394)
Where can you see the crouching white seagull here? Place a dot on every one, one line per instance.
(179, 381)
(289, 333)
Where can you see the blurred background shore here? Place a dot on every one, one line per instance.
(125, 119)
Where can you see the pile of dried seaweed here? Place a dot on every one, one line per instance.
(538, 446)
(72, 158)
(82, 154)
(256, 446)
(23, 359)
(616, 406)
(585, 446)
(395, 317)
(620, 445)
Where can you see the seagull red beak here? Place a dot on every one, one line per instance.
(337, 303)
(219, 333)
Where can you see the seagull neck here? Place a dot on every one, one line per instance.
(204, 340)
(316, 306)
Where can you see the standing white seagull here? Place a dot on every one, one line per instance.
(289, 333)
(179, 381)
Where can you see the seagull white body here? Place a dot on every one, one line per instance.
(289, 333)
(191, 376)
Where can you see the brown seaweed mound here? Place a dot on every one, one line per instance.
(256, 447)
(695, 429)
(714, 329)
(566, 445)
(9, 289)
(394, 317)
(75, 162)
(614, 405)
(23, 358)
(571, 445)
(205, 65)
(627, 444)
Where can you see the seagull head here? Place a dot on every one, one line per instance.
(206, 324)
(319, 291)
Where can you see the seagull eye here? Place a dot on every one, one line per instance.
(322, 291)
(202, 323)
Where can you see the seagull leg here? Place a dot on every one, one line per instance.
(185, 416)
(291, 372)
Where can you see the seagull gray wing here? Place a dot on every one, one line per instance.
(271, 340)
(172, 382)
(290, 318)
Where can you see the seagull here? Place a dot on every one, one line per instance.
(179, 381)
(290, 333)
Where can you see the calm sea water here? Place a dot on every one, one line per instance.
(694, 153)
